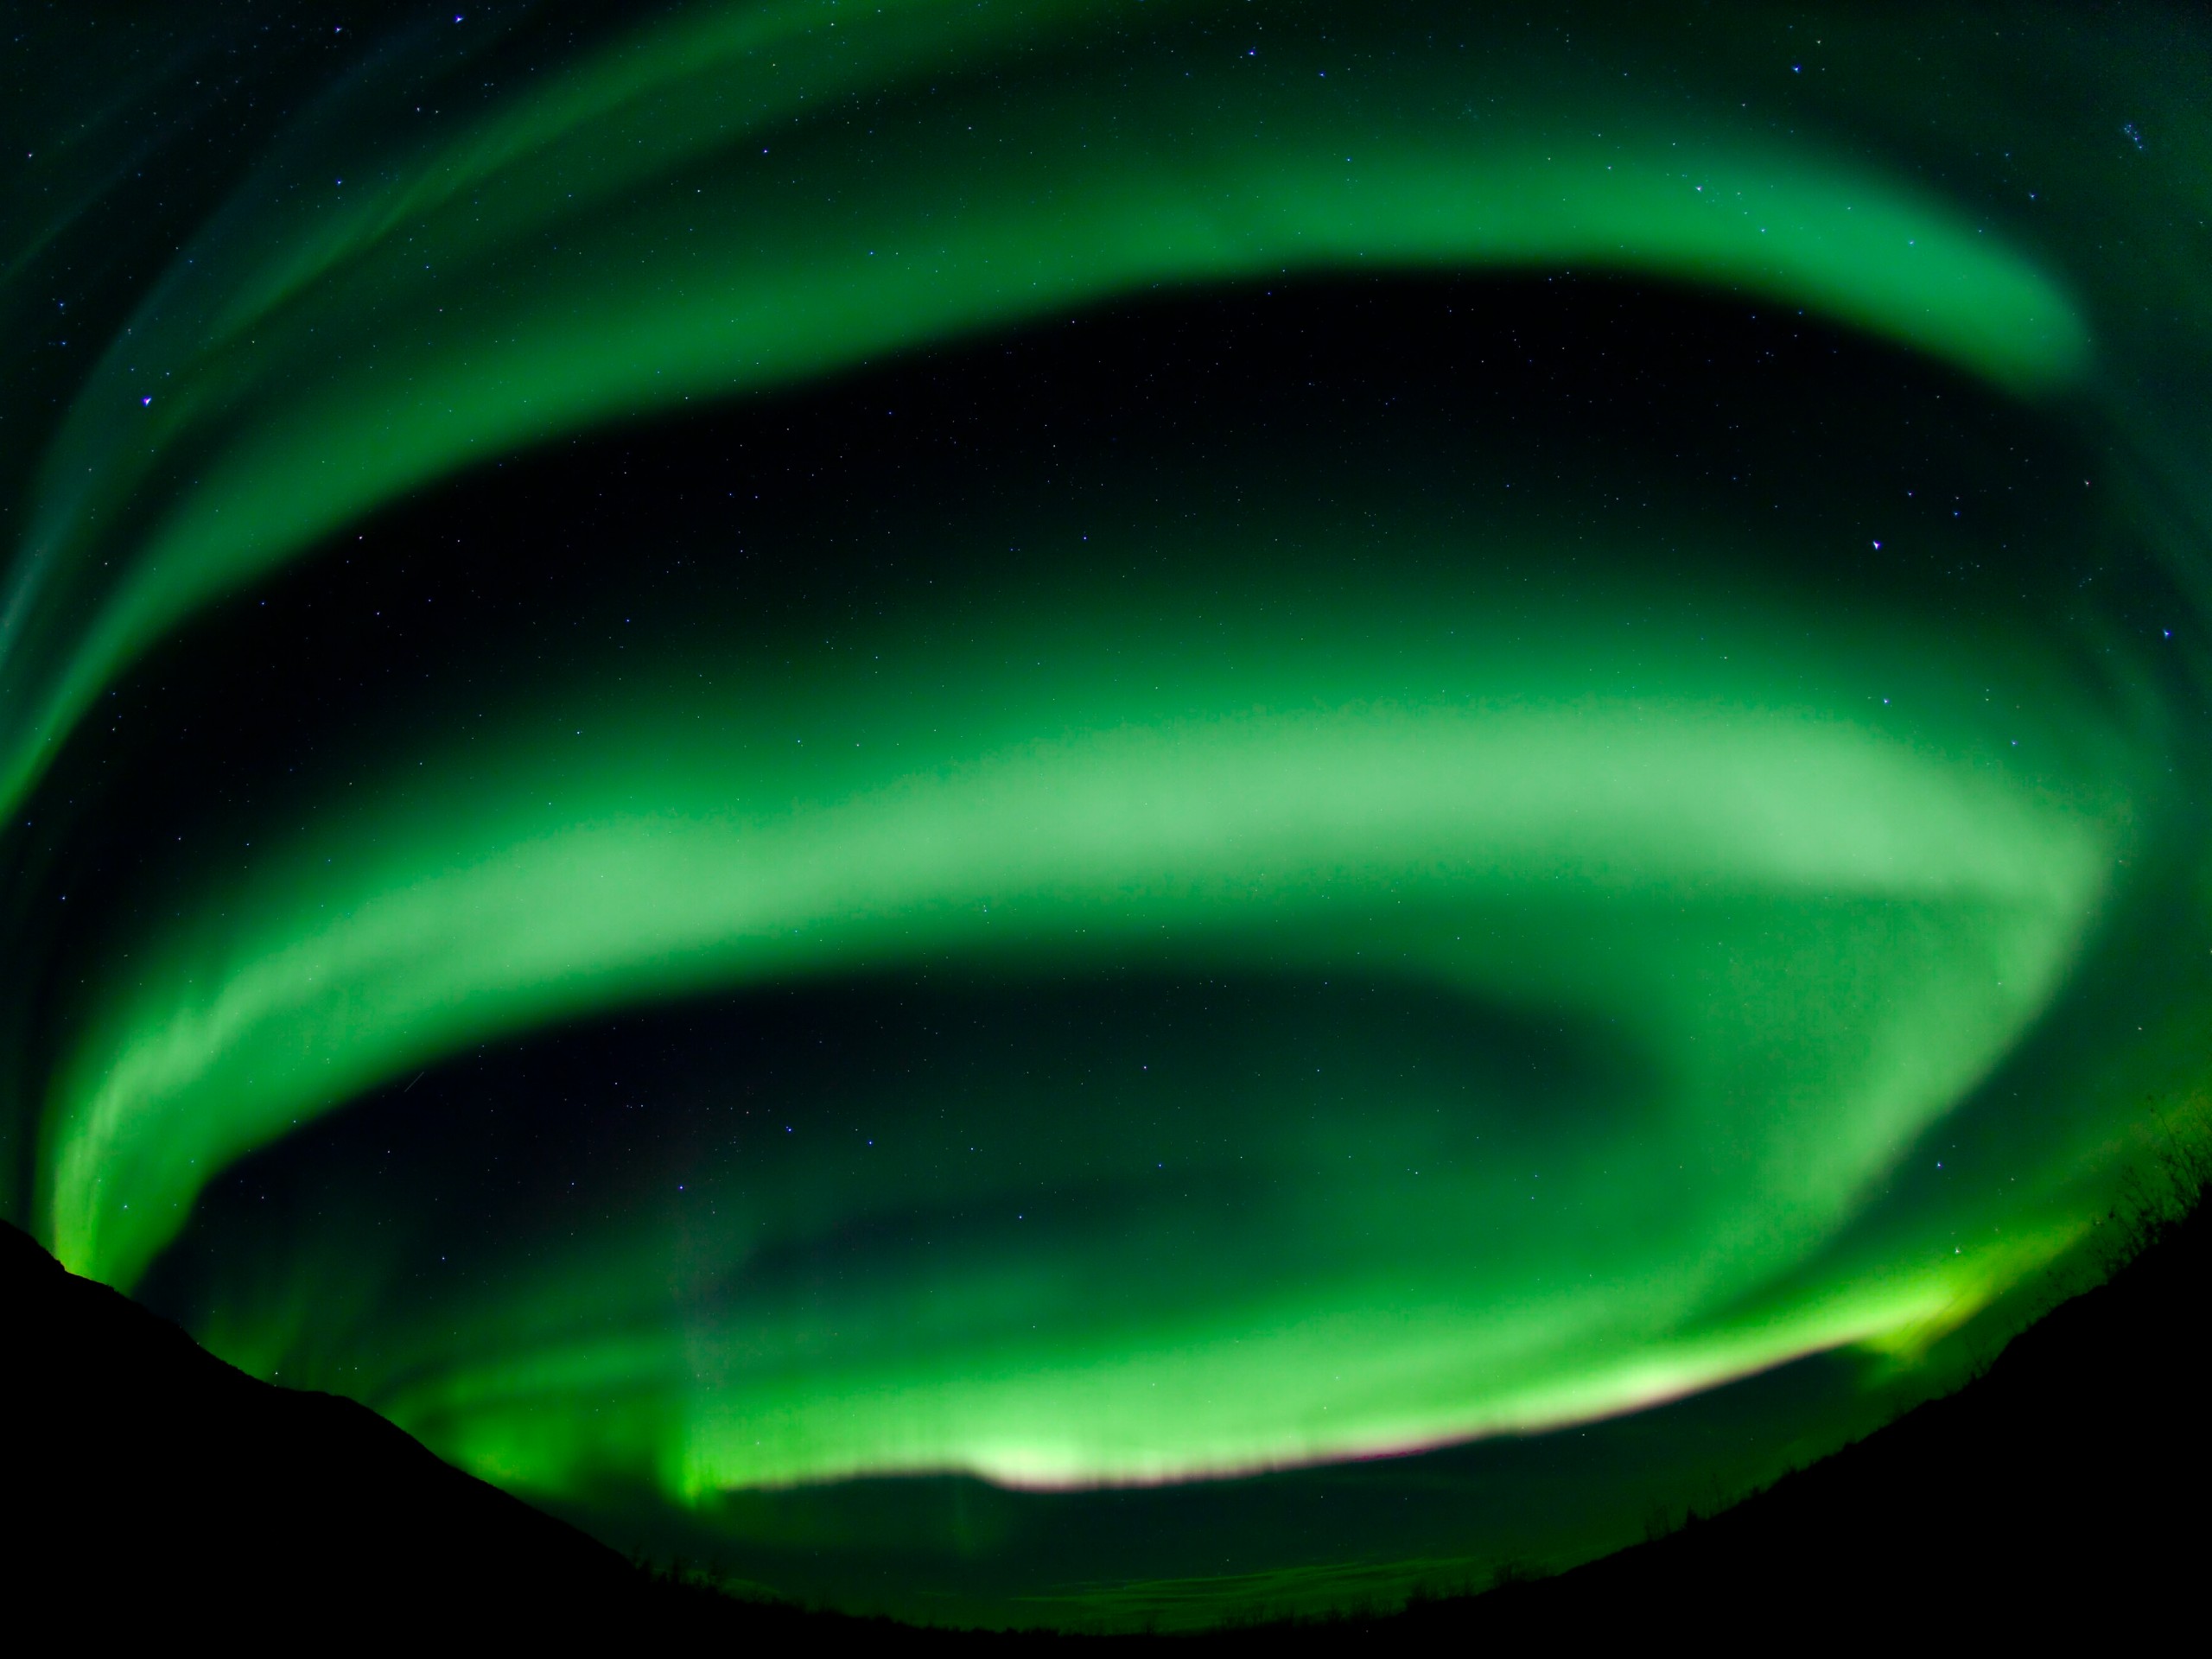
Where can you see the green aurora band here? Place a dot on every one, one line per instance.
(1492, 1024)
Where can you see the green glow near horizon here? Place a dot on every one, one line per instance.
(1886, 917)
(1676, 944)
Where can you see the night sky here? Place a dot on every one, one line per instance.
(1094, 811)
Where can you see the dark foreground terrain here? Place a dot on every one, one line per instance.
(149, 1485)
(2065, 1494)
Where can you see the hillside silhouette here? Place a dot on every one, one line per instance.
(2068, 1488)
(151, 1485)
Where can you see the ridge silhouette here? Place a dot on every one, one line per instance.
(2068, 1487)
(152, 1486)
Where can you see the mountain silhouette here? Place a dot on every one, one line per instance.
(151, 1485)
(152, 1479)
(2063, 1492)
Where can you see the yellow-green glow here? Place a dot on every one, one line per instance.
(1812, 936)
(1131, 943)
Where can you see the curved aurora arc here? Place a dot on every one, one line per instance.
(1813, 871)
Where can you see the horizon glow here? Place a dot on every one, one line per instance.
(1283, 950)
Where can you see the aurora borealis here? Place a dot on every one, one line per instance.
(764, 759)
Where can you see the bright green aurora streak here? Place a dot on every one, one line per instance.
(1528, 980)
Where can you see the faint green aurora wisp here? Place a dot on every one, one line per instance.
(1766, 878)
